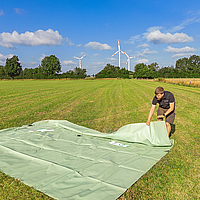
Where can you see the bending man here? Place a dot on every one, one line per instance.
(166, 108)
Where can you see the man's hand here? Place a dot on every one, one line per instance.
(148, 123)
(160, 116)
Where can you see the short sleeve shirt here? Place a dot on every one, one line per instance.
(165, 101)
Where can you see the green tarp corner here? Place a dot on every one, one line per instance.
(68, 161)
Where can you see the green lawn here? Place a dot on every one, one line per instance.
(106, 105)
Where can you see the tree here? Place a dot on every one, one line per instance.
(76, 73)
(124, 73)
(80, 73)
(188, 67)
(142, 71)
(2, 72)
(110, 71)
(194, 66)
(13, 67)
(51, 65)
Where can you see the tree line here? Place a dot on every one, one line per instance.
(50, 67)
(184, 68)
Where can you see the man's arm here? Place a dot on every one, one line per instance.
(170, 109)
(150, 114)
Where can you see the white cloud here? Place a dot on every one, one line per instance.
(82, 53)
(98, 63)
(129, 42)
(181, 50)
(182, 55)
(42, 57)
(142, 61)
(194, 18)
(133, 39)
(3, 58)
(96, 55)
(30, 64)
(144, 52)
(112, 59)
(98, 46)
(151, 29)
(183, 24)
(1, 12)
(19, 11)
(79, 45)
(147, 51)
(154, 28)
(157, 37)
(69, 62)
(143, 45)
(69, 41)
(141, 37)
(140, 55)
(38, 38)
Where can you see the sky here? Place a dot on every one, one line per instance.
(161, 31)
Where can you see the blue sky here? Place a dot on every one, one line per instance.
(159, 31)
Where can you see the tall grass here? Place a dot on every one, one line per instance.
(106, 105)
(195, 82)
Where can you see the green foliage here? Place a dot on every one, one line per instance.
(51, 65)
(184, 68)
(153, 67)
(2, 73)
(188, 67)
(13, 67)
(144, 71)
(76, 73)
(110, 71)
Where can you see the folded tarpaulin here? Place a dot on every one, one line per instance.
(68, 161)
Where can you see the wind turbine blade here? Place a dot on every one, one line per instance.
(75, 57)
(126, 54)
(115, 53)
(118, 46)
(83, 56)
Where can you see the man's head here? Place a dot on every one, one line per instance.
(159, 92)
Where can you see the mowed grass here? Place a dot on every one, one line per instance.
(106, 105)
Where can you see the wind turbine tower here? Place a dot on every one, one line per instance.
(119, 51)
(80, 60)
(128, 60)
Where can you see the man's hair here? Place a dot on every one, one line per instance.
(159, 90)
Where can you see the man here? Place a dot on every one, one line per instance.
(166, 108)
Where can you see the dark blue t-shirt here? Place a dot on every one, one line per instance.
(165, 101)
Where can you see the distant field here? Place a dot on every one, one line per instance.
(106, 105)
(184, 81)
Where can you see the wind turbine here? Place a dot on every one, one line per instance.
(80, 59)
(119, 51)
(128, 60)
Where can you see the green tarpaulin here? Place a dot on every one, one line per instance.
(67, 161)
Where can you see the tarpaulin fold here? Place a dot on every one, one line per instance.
(68, 161)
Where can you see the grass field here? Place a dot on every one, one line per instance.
(106, 105)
